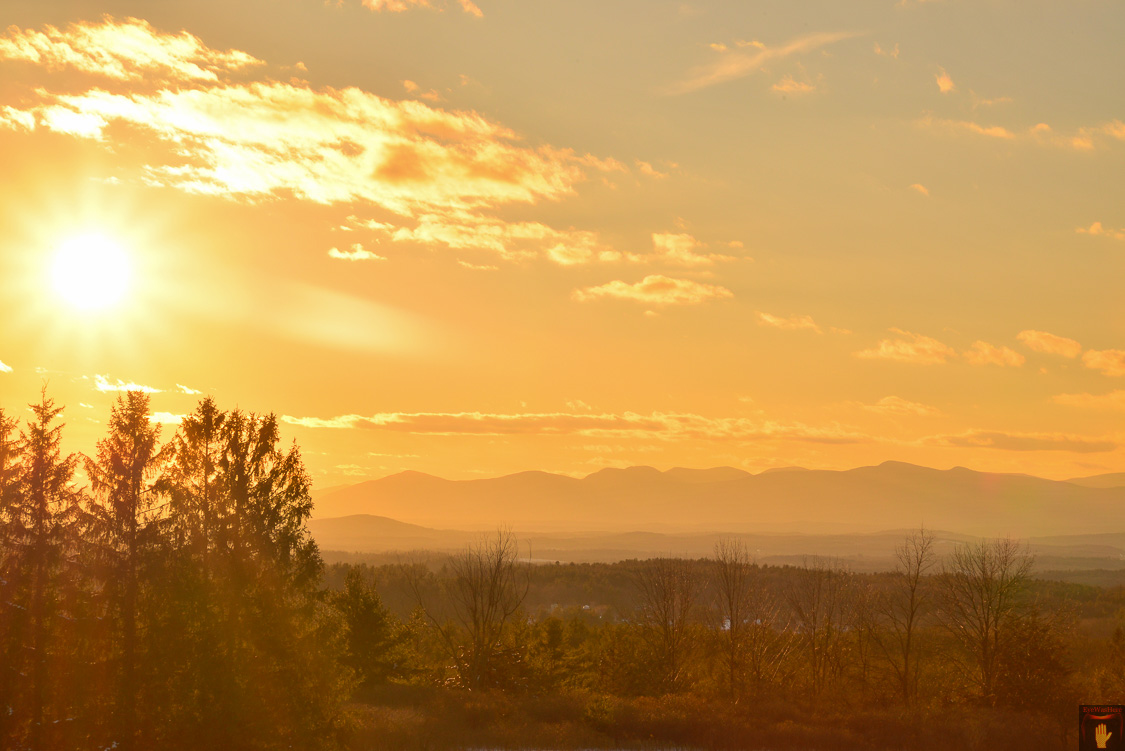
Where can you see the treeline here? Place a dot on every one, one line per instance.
(950, 648)
(167, 594)
(969, 628)
(173, 600)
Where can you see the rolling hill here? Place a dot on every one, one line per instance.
(866, 499)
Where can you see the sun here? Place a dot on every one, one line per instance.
(91, 272)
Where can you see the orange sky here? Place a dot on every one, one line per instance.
(477, 238)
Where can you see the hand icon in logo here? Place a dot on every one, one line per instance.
(1101, 736)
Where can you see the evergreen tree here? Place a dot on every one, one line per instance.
(44, 523)
(258, 662)
(11, 615)
(376, 641)
(121, 475)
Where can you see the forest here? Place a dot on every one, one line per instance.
(166, 593)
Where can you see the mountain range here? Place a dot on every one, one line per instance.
(892, 495)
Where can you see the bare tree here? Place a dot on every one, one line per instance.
(821, 596)
(901, 609)
(980, 587)
(751, 636)
(484, 588)
(735, 585)
(669, 590)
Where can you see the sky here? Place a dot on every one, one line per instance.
(476, 237)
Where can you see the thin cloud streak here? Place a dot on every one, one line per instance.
(911, 347)
(629, 424)
(655, 290)
(128, 50)
(1050, 344)
(734, 64)
(898, 407)
(103, 384)
(984, 353)
(1023, 441)
(1114, 400)
(791, 323)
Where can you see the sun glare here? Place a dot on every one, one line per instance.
(91, 272)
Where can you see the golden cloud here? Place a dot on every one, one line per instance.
(984, 353)
(914, 348)
(680, 250)
(734, 64)
(128, 50)
(5, 368)
(790, 85)
(1086, 138)
(1096, 229)
(1110, 362)
(645, 168)
(357, 253)
(792, 322)
(1023, 441)
(921, 189)
(330, 146)
(103, 384)
(445, 170)
(899, 407)
(1114, 400)
(398, 6)
(944, 82)
(629, 424)
(466, 230)
(1041, 341)
(655, 290)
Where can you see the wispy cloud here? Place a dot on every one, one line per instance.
(789, 85)
(738, 63)
(1110, 362)
(969, 126)
(1084, 139)
(187, 390)
(5, 368)
(655, 290)
(919, 187)
(655, 425)
(1041, 341)
(792, 322)
(413, 88)
(166, 418)
(103, 384)
(467, 230)
(357, 253)
(910, 347)
(944, 82)
(682, 250)
(899, 407)
(1023, 441)
(441, 174)
(984, 353)
(1114, 400)
(128, 50)
(398, 6)
(1097, 230)
(892, 52)
(645, 168)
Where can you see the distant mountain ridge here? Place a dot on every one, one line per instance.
(865, 499)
